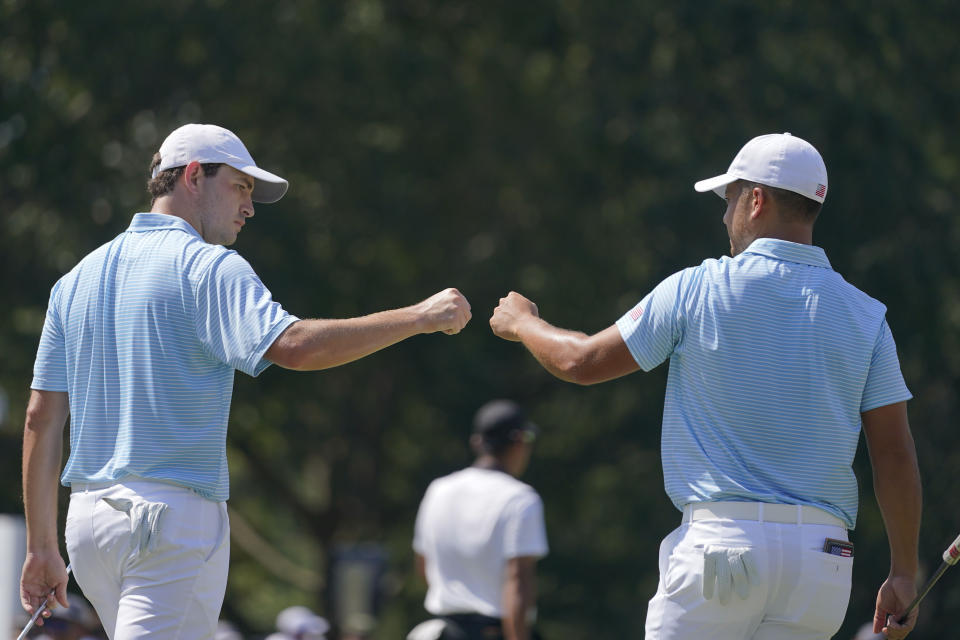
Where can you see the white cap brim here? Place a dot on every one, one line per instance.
(209, 144)
(267, 186)
(778, 160)
(717, 184)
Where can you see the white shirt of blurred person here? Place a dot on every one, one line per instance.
(480, 531)
(139, 348)
(299, 623)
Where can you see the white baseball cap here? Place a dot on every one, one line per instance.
(776, 160)
(208, 143)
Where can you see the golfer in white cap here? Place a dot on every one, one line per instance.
(139, 347)
(775, 364)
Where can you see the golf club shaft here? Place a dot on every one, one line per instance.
(950, 558)
(926, 589)
(39, 611)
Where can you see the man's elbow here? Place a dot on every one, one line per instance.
(46, 409)
(289, 350)
(34, 415)
(582, 360)
(35, 420)
(578, 371)
(291, 357)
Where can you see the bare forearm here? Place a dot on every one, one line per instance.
(569, 355)
(310, 345)
(519, 597)
(557, 350)
(42, 457)
(896, 482)
(515, 607)
(323, 344)
(421, 566)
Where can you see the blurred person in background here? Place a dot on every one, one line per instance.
(76, 622)
(300, 623)
(479, 533)
(139, 348)
(226, 631)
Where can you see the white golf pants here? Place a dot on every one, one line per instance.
(151, 557)
(795, 591)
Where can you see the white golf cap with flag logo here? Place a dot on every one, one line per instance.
(208, 143)
(776, 160)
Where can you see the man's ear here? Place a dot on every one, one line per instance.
(476, 443)
(191, 176)
(759, 202)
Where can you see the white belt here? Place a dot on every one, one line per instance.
(127, 481)
(761, 512)
(77, 487)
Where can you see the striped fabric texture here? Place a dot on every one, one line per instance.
(144, 334)
(773, 356)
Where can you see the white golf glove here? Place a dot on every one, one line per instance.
(726, 569)
(144, 521)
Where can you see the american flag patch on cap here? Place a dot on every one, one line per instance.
(821, 190)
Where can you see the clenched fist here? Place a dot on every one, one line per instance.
(446, 311)
(510, 313)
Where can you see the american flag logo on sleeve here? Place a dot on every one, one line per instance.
(821, 190)
(636, 312)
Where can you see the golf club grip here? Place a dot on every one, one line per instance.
(952, 554)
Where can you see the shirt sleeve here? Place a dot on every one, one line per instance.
(652, 329)
(525, 532)
(237, 318)
(50, 367)
(885, 384)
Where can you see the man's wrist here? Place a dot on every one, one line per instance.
(42, 537)
(525, 325)
(903, 569)
(40, 550)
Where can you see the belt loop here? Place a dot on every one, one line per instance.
(799, 514)
(760, 513)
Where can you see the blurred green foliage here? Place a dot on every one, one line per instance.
(544, 146)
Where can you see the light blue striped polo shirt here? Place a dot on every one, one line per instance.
(144, 334)
(773, 356)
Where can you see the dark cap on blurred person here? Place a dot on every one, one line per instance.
(500, 422)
